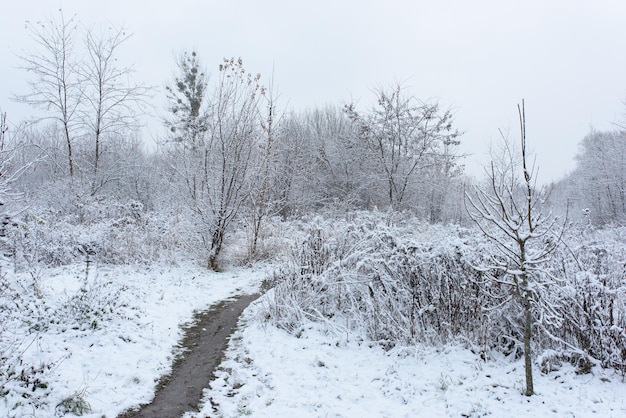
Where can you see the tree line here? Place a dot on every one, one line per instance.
(229, 152)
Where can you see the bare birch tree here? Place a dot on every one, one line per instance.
(55, 84)
(111, 102)
(263, 199)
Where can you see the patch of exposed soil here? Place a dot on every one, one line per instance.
(204, 344)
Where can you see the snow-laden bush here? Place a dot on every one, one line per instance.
(121, 234)
(394, 280)
(96, 303)
(23, 312)
(387, 280)
(274, 242)
(594, 320)
(28, 309)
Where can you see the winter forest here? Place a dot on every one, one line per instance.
(357, 225)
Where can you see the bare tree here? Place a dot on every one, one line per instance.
(295, 170)
(4, 128)
(111, 102)
(10, 172)
(263, 200)
(509, 212)
(233, 130)
(405, 135)
(55, 86)
(214, 150)
(600, 177)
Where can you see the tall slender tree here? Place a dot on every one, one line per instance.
(234, 130)
(263, 200)
(509, 212)
(111, 102)
(55, 84)
(187, 96)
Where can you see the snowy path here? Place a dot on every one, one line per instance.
(205, 342)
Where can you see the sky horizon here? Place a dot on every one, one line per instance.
(479, 59)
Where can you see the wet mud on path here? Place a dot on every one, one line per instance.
(204, 344)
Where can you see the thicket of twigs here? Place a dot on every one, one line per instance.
(397, 281)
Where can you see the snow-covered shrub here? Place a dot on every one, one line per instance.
(23, 312)
(22, 383)
(123, 234)
(273, 242)
(33, 241)
(93, 305)
(300, 289)
(394, 280)
(28, 309)
(387, 280)
(74, 404)
(594, 320)
(22, 303)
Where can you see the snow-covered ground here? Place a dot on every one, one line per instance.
(116, 365)
(269, 373)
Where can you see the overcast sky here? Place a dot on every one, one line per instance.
(566, 58)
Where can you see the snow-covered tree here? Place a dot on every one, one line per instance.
(214, 154)
(111, 103)
(55, 86)
(9, 174)
(600, 176)
(77, 82)
(409, 138)
(264, 200)
(295, 179)
(187, 102)
(509, 212)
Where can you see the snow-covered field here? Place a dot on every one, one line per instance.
(116, 365)
(269, 373)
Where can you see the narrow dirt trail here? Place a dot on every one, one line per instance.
(205, 343)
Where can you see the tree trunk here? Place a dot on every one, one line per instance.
(256, 231)
(69, 149)
(216, 247)
(527, 337)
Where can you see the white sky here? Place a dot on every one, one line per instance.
(566, 58)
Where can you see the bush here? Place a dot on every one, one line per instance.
(125, 235)
(393, 280)
(74, 404)
(594, 320)
(23, 312)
